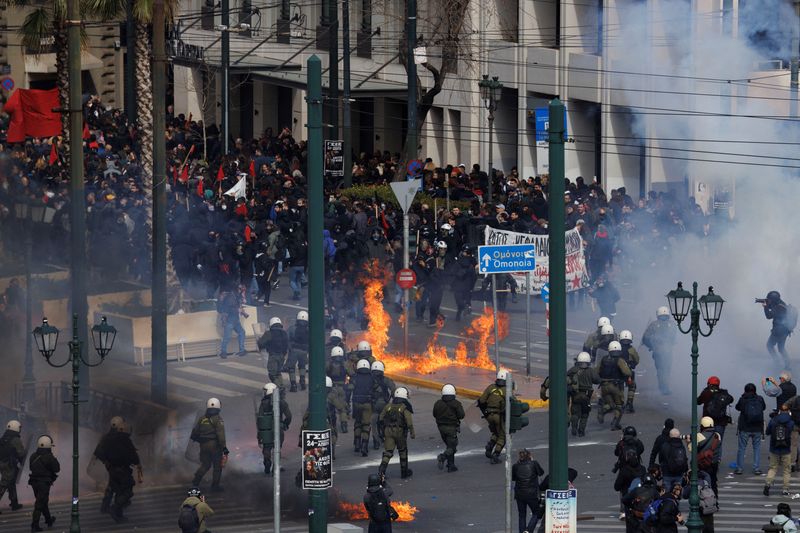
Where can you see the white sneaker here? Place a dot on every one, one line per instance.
(622, 516)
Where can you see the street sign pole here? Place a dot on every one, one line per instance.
(276, 459)
(406, 302)
(509, 392)
(405, 191)
(496, 330)
(528, 324)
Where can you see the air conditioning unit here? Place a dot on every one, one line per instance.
(772, 64)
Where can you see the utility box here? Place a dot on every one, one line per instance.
(344, 528)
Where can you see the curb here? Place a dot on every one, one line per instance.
(467, 393)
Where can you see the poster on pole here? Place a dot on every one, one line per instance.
(317, 460)
(577, 275)
(561, 511)
(334, 159)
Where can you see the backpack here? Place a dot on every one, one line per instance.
(752, 412)
(705, 456)
(790, 318)
(630, 457)
(188, 519)
(780, 436)
(773, 528)
(718, 405)
(651, 513)
(394, 415)
(708, 500)
(677, 460)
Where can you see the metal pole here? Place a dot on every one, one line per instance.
(694, 524)
(558, 309)
(333, 73)
(489, 170)
(347, 125)
(411, 70)
(28, 381)
(226, 74)
(75, 355)
(496, 329)
(527, 324)
(277, 443)
(318, 499)
(78, 268)
(406, 302)
(158, 311)
(795, 65)
(130, 65)
(509, 450)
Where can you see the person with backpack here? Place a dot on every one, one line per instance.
(44, 469)
(715, 402)
(209, 432)
(121, 455)
(664, 514)
(298, 351)
(362, 383)
(660, 440)
(673, 458)
(709, 504)
(780, 429)
(750, 427)
(628, 468)
(709, 450)
(396, 423)
(378, 506)
(636, 502)
(194, 512)
(782, 521)
(629, 444)
(784, 320)
(382, 392)
(265, 424)
(525, 475)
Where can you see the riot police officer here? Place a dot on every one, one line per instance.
(209, 432)
(464, 277)
(594, 336)
(276, 343)
(44, 469)
(336, 370)
(382, 392)
(121, 455)
(298, 351)
(334, 404)
(492, 404)
(396, 424)
(449, 413)
(101, 454)
(363, 351)
(581, 379)
(631, 357)
(614, 372)
(607, 335)
(336, 338)
(12, 455)
(265, 424)
(362, 384)
(659, 337)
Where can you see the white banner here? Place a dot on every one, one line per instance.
(577, 276)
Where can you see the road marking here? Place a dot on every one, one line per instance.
(204, 389)
(243, 366)
(221, 377)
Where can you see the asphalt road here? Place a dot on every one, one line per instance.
(468, 500)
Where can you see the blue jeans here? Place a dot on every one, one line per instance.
(296, 280)
(744, 436)
(670, 481)
(232, 324)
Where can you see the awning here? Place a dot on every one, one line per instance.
(46, 63)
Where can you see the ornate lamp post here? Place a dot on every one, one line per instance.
(491, 94)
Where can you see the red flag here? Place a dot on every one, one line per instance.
(220, 174)
(32, 115)
(174, 175)
(200, 188)
(86, 132)
(252, 169)
(248, 234)
(53, 154)
(184, 175)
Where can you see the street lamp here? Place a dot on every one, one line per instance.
(225, 60)
(682, 303)
(46, 337)
(27, 213)
(491, 93)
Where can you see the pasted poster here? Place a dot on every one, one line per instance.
(317, 459)
(334, 159)
(577, 276)
(561, 511)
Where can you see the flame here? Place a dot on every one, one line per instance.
(480, 334)
(356, 511)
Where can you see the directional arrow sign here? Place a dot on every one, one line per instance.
(507, 258)
(405, 192)
(545, 292)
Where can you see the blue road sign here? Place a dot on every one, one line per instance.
(506, 258)
(545, 293)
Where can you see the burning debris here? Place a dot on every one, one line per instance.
(473, 353)
(356, 511)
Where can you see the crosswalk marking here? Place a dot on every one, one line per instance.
(243, 366)
(214, 374)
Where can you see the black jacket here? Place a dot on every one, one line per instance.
(525, 475)
(666, 452)
(745, 425)
(659, 442)
(626, 475)
(44, 467)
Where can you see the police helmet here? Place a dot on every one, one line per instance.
(213, 403)
(502, 374)
(364, 346)
(448, 390)
(328, 382)
(608, 329)
(614, 346)
(45, 442)
(336, 334)
(662, 311)
(362, 363)
(446, 227)
(302, 315)
(441, 245)
(275, 321)
(116, 422)
(377, 366)
(13, 425)
(401, 392)
(337, 351)
(625, 335)
(269, 388)
(583, 357)
(194, 492)
(603, 321)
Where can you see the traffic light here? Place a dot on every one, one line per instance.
(518, 418)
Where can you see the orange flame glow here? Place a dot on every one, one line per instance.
(356, 511)
(480, 334)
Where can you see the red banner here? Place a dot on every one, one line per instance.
(32, 114)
